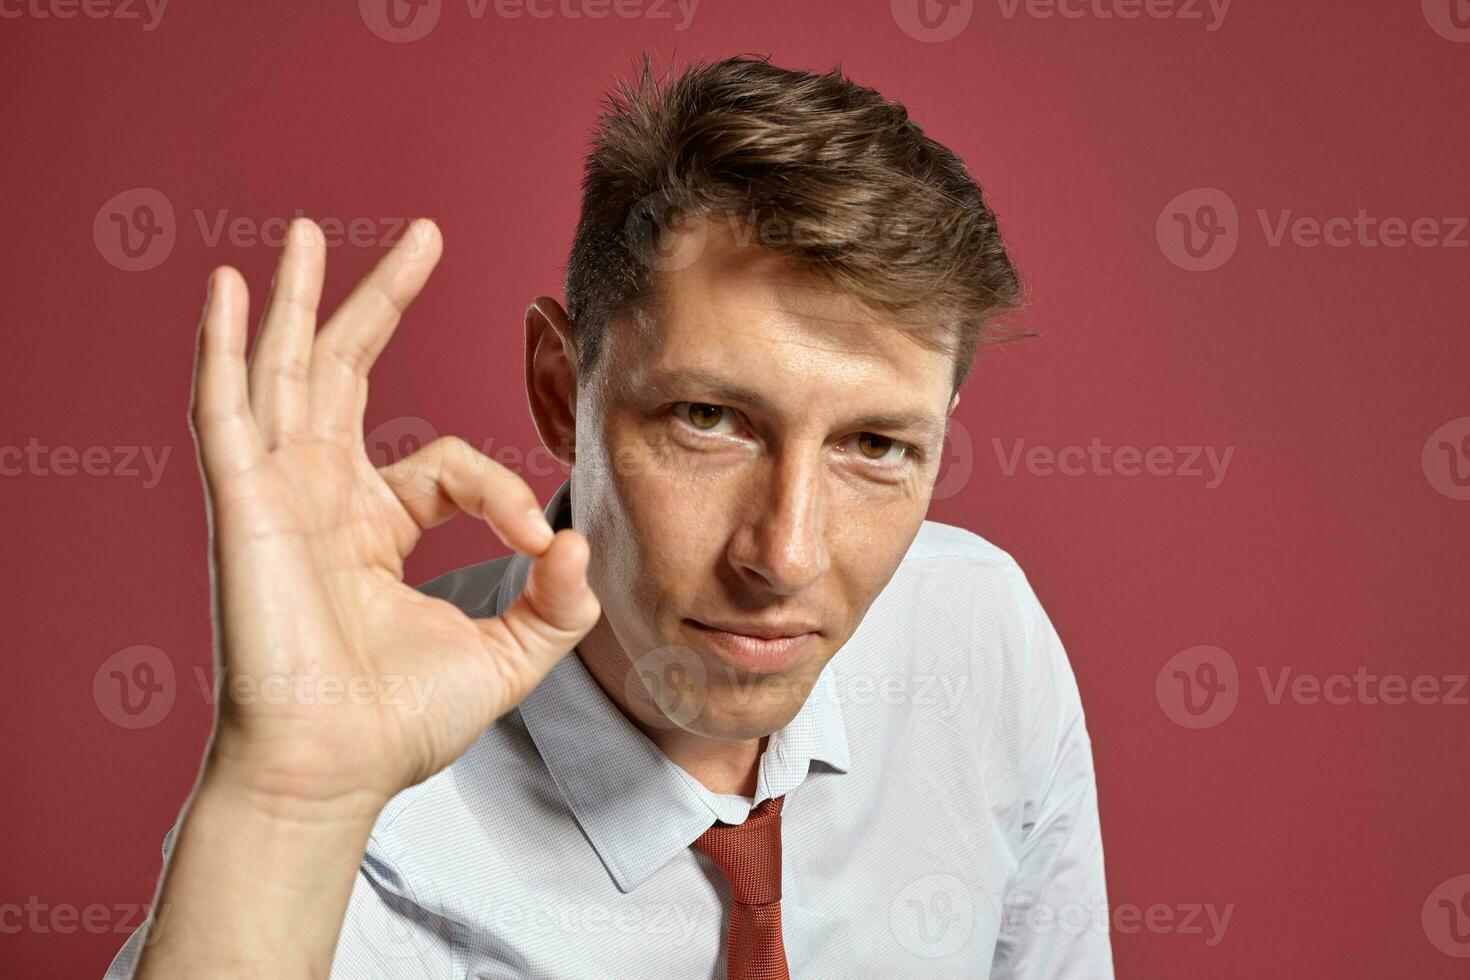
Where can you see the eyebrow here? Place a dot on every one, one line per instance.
(669, 382)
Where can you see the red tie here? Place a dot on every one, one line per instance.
(749, 856)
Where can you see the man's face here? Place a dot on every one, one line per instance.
(760, 450)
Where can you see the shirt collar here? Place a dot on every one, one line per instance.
(637, 807)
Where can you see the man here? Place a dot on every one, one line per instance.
(802, 732)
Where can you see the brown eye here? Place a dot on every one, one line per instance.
(866, 442)
(704, 416)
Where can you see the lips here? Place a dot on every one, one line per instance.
(763, 631)
(754, 654)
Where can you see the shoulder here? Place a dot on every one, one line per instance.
(970, 578)
(940, 541)
(959, 608)
(970, 612)
(960, 605)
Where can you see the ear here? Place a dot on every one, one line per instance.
(953, 402)
(551, 377)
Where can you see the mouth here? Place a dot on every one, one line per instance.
(764, 650)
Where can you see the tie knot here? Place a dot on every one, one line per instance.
(749, 854)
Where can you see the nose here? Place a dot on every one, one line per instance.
(781, 544)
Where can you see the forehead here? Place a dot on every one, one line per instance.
(724, 305)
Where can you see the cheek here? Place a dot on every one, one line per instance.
(668, 543)
(867, 552)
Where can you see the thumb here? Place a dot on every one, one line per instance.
(552, 613)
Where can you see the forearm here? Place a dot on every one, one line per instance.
(253, 887)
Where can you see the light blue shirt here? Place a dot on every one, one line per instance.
(940, 821)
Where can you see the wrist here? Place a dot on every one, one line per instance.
(275, 807)
(277, 785)
(279, 869)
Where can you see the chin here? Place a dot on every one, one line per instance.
(694, 685)
(751, 707)
(742, 729)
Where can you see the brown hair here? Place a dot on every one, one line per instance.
(816, 167)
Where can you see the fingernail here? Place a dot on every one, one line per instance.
(539, 524)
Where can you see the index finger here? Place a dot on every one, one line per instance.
(228, 439)
(449, 475)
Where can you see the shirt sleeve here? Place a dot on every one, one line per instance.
(1054, 915)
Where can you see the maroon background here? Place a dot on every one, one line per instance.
(1326, 547)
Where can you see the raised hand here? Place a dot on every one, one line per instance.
(309, 541)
